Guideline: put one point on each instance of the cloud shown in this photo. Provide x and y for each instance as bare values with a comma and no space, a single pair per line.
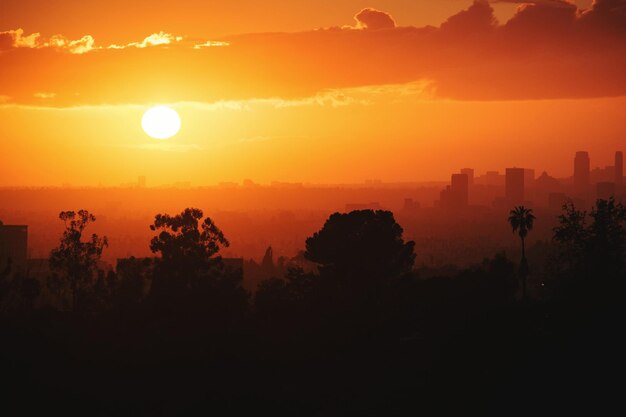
477,18
79,46
373,19
156,39
16,39
606,16
210,44
44,95
13,39
555,3
547,50
533,19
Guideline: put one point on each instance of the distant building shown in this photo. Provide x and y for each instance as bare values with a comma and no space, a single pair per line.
514,185
470,175
459,190
227,184
581,170
411,205
13,245
619,169
557,200
605,190
529,178
544,185
444,198
455,195
547,183
362,206
606,174
280,184
141,181
249,183
494,178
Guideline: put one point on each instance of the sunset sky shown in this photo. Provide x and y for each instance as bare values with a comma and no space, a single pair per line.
322,92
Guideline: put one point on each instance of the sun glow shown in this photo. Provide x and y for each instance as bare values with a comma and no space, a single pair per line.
160,122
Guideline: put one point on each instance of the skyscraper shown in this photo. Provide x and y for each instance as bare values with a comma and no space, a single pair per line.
529,178
459,190
581,170
470,175
619,169
514,185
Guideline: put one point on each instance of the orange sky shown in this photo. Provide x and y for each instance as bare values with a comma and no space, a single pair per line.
410,91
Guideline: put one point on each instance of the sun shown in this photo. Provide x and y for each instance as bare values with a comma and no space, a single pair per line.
160,122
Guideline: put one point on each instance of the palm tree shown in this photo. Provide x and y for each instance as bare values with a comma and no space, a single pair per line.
521,220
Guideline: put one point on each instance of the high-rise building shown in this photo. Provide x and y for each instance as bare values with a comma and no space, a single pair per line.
514,185
470,175
581,170
459,190
13,245
493,178
529,178
619,169
410,205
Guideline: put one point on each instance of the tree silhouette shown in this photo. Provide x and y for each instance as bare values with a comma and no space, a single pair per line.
74,259
521,220
187,249
571,230
594,248
607,235
363,248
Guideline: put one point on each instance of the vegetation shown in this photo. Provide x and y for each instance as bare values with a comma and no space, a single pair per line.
354,331
522,220
75,260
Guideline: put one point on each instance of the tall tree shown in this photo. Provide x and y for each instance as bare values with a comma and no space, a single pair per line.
76,260
522,220
187,247
597,247
361,247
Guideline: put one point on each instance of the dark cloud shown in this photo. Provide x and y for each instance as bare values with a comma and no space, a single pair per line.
374,20
556,3
606,16
478,18
533,19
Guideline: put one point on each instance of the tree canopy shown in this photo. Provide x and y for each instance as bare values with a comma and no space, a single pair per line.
76,260
361,244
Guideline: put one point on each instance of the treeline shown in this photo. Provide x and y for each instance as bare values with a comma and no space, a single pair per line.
360,333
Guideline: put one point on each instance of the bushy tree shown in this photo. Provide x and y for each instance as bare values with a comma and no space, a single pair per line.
592,246
360,253
74,260
189,273
187,246
361,243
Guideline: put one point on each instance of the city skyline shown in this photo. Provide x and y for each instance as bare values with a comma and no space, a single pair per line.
312,208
